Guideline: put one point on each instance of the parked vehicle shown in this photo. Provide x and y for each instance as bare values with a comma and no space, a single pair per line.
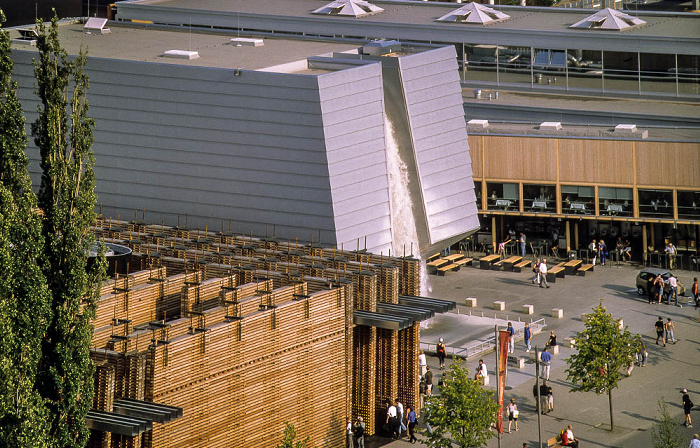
643,278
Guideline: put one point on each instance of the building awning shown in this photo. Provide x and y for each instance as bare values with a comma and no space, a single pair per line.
117,423
437,305
159,413
131,417
381,320
412,312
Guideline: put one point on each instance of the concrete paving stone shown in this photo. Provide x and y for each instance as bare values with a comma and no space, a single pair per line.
668,369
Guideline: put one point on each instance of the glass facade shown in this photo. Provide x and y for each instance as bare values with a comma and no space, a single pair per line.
615,201
540,198
577,68
503,196
656,203
578,200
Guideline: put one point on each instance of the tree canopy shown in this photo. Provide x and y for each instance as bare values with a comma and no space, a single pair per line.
23,291
603,353
462,413
290,433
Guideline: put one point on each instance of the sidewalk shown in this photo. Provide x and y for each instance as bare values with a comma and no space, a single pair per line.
635,406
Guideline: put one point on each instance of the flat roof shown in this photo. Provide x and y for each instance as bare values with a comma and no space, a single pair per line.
134,42
666,25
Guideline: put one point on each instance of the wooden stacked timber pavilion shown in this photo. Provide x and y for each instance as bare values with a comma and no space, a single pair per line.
240,334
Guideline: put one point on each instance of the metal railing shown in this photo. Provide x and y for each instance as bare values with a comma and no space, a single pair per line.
489,344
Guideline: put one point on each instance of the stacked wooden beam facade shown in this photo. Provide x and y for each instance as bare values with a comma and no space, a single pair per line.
246,333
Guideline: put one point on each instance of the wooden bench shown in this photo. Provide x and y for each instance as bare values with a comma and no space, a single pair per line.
509,262
557,271
518,267
497,265
433,257
450,267
485,262
464,262
436,264
585,268
571,266
453,257
554,441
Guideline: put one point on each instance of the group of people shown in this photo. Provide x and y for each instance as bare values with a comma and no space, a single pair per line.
656,289
539,269
665,331
398,423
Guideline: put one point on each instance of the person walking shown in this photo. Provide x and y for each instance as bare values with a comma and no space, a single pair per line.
392,423
528,336
543,273
641,352
670,328
429,381
673,289
593,248
411,420
536,272
550,398
513,414
687,406
659,325
350,443
659,288
402,426
441,351
360,432
422,362
546,359
422,392
695,290
511,338
522,240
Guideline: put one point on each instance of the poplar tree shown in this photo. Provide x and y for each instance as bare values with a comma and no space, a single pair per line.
63,134
24,296
604,351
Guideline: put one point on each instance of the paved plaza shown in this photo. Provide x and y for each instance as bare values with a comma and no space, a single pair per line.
668,369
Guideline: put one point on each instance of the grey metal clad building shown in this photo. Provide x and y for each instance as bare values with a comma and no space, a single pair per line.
271,138
645,52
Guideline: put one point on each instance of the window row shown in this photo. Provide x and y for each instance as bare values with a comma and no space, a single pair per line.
581,200
675,74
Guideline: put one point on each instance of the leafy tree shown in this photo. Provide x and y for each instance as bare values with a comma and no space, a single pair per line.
665,432
603,353
463,412
63,134
24,297
290,433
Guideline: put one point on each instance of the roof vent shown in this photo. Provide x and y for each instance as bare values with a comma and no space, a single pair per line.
349,8
550,126
247,42
28,36
381,47
631,130
474,13
609,19
478,123
96,25
181,54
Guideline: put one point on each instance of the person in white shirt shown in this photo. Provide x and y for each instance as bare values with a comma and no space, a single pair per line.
673,289
695,443
543,273
392,421
513,413
422,362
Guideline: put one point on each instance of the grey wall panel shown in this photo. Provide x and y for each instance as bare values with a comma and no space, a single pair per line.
176,140
440,143
358,183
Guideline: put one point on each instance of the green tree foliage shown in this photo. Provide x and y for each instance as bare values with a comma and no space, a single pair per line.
463,412
63,134
603,353
24,297
665,432
290,433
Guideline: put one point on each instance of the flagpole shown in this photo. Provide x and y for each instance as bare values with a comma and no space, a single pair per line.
498,385
539,401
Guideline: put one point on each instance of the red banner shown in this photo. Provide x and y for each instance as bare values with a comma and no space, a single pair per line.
502,366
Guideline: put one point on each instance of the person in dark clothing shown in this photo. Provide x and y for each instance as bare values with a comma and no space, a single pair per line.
660,330
544,392
441,351
411,419
651,288
429,381
687,406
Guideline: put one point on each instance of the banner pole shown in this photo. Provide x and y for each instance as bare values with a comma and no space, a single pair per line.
539,401
498,388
